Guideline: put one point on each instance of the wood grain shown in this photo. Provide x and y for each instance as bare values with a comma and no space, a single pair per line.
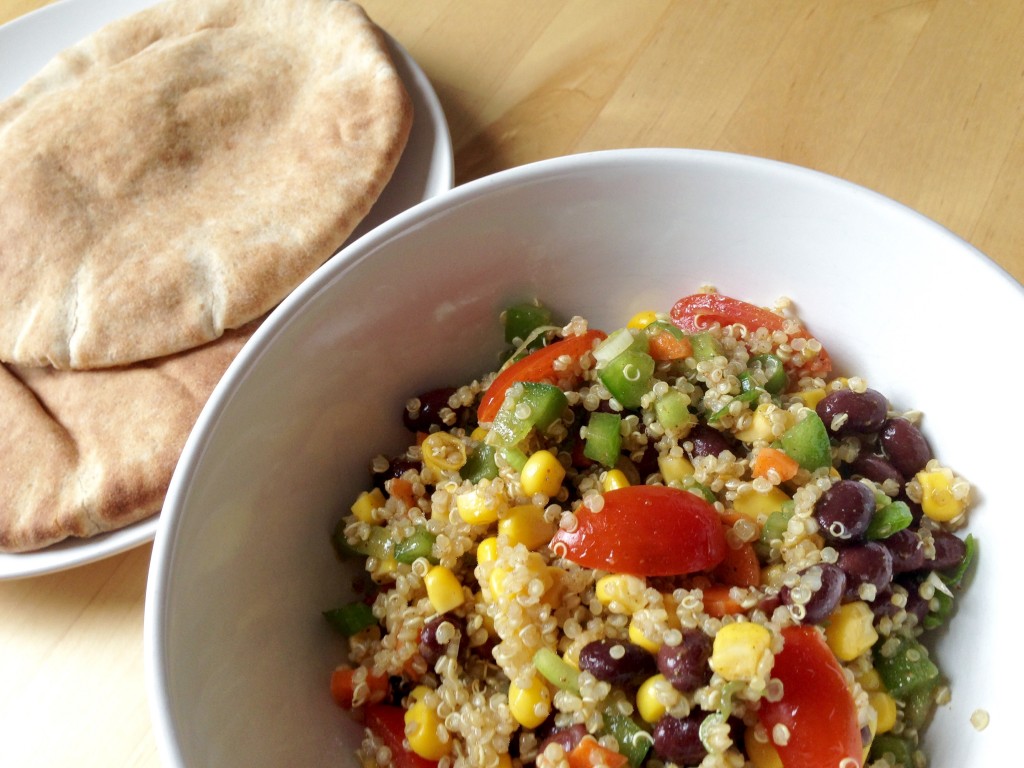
921,101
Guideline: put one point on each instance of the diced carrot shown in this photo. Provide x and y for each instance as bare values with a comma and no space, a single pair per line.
588,753
401,490
718,602
343,687
665,346
772,458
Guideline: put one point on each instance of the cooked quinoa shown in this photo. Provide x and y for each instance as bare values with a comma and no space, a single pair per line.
499,629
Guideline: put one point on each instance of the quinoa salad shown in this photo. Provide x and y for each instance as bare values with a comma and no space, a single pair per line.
683,542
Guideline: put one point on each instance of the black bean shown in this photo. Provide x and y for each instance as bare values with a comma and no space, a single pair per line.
568,738
916,605
707,441
844,511
432,647
854,412
875,468
825,599
883,604
905,446
428,413
616,661
685,665
949,551
868,563
396,468
906,549
677,739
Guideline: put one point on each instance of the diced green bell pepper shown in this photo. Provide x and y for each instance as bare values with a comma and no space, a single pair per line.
480,464
634,742
807,442
351,618
537,407
419,544
907,670
705,346
628,377
603,443
771,368
888,520
672,410
897,749
523,319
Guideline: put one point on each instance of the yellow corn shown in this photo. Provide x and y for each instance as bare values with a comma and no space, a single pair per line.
530,706
504,761
496,581
443,589
487,550
762,753
937,499
525,524
760,427
479,434
641,320
614,478
478,508
443,452
850,631
647,702
885,709
812,397
637,637
755,504
738,648
621,593
542,473
365,503
870,680
674,469
421,729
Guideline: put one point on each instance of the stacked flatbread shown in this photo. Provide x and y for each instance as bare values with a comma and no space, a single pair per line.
163,184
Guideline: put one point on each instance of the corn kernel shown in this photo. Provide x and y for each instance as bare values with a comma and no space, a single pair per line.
621,593
812,397
870,680
641,320
737,650
937,499
443,589
487,550
530,706
761,751
760,427
421,729
850,631
365,503
637,637
613,479
542,473
674,469
479,434
443,452
525,524
496,581
478,508
885,708
755,504
647,703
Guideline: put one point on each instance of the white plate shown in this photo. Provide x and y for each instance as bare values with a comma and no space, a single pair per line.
425,170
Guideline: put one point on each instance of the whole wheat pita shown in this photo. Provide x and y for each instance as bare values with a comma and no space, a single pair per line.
180,171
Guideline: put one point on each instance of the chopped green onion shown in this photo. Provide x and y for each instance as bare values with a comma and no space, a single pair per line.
749,396
603,443
618,342
770,367
351,618
556,670
673,411
378,544
954,578
514,457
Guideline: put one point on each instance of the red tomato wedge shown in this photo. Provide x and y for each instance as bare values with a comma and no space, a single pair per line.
816,706
537,366
699,311
388,723
645,530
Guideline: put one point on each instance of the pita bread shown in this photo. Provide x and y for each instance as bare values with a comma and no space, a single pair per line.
84,452
182,170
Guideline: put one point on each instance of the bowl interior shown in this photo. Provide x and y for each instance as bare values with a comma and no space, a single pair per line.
239,656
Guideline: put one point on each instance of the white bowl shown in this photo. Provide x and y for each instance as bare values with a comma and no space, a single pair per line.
238,655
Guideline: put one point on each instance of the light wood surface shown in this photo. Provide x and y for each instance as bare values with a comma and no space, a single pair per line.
921,101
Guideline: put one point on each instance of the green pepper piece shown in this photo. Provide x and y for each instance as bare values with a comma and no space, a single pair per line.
940,614
954,578
634,742
514,457
342,548
379,544
351,618
419,544
705,346
480,464
888,520
537,407
772,370
523,319
628,377
749,396
907,670
897,749
807,442
672,410
919,704
660,326
604,438
556,670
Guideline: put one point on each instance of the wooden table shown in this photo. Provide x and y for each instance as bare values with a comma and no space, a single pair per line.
919,101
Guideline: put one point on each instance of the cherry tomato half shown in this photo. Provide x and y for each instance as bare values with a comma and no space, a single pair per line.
388,722
645,530
816,706
537,366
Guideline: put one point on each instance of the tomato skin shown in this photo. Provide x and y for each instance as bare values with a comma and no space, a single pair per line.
816,706
698,311
646,530
388,722
537,366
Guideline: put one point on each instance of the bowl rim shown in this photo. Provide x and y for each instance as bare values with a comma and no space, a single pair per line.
160,575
